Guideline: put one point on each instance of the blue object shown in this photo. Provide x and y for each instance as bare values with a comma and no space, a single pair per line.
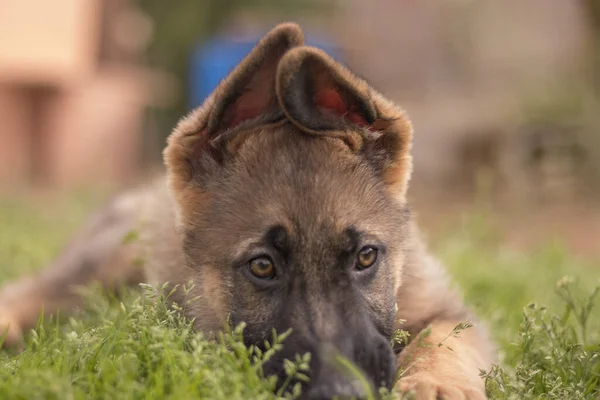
212,61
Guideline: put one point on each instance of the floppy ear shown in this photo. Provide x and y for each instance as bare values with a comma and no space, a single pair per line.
245,97
322,97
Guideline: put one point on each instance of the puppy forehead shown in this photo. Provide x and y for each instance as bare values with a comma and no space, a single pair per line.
303,183
313,168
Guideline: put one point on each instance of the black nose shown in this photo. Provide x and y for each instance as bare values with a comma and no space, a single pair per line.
373,359
351,366
339,388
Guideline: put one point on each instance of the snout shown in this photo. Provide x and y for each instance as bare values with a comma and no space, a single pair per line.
337,387
349,368
354,369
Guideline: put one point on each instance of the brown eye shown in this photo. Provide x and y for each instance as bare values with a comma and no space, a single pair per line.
262,268
366,257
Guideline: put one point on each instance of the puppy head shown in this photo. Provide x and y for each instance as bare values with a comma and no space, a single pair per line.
290,186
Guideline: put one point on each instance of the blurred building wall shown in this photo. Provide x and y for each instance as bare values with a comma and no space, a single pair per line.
70,102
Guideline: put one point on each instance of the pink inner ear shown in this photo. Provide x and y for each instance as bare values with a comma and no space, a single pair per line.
250,105
332,101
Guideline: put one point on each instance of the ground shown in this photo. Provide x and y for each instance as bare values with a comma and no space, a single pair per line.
130,348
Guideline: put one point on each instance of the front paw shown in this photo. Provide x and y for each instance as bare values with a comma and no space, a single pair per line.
11,333
426,386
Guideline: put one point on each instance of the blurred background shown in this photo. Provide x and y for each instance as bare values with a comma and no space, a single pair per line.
504,95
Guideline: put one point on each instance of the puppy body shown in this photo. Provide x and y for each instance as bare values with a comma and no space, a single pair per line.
294,162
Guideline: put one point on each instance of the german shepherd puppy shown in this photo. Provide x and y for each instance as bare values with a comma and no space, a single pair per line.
285,203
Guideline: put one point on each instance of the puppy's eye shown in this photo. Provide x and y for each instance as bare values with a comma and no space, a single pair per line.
262,268
366,257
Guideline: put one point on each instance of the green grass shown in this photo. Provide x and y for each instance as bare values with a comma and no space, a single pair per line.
134,348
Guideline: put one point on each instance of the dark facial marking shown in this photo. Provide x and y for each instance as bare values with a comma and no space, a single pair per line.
353,240
277,237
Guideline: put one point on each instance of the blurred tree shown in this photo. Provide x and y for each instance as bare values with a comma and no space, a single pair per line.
592,11
180,26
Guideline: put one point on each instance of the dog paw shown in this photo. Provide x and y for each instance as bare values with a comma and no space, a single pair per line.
426,386
11,333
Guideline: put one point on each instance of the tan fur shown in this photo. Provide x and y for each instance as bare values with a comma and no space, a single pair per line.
215,291
441,372
170,213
